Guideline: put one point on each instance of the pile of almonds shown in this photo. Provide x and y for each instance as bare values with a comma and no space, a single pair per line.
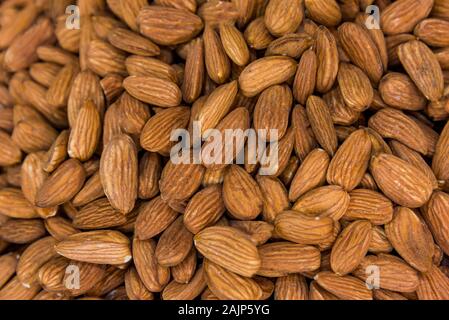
92,207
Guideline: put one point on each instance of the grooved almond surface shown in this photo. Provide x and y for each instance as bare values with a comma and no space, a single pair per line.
411,238
101,247
228,248
401,181
118,173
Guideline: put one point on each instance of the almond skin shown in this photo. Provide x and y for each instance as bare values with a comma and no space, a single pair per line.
189,291
180,181
229,248
91,190
327,201
165,121
302,229
282,17
217,106
218,64
291,287
435,214
275,197
292,45
304,137
321,123
394,124
327,54
272,110
242,205
282,258
153,90
60,228
118,173
85,133
215,154
101,247
264,73
355,87
184,271
98,214
324,12
230,286
153,276
399,91
11,154
336,186
14,204
258,232
411,238
311,174
234,44
440,161
430,79
33,258
413,157
395,274
361,49
403,15
146,66
433,32
350,162
257,35
22,231
194,72
149,174
350,247
22,51
204,209
8,262
305,79
174,244
155,21
369,205
392,173
433,285
344,287
135,289
153,218
63,184
133,43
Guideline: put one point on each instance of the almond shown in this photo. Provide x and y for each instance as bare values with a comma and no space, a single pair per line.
241,194
118,173
392,174
344,287
303,229
101,247
155,22
264,73
62,185
282,258
228,248
429,80
350,247
411,238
